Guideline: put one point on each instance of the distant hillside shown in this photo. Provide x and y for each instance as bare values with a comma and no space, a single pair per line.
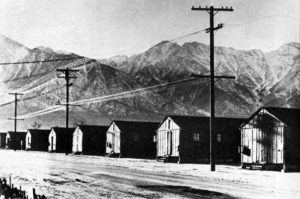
261,78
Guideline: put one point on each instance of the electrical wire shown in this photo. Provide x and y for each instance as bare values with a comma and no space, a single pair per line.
103,61
46,78
52,74
115,96
41,61
181,37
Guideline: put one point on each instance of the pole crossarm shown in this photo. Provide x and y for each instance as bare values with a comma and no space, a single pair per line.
16,93
41,61
215,76
67,69
14,119
216,28
63,77
214,9
69,104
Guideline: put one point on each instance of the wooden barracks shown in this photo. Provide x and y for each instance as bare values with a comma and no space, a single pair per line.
131,139
89,140
186,139
271,139
37,139
268,139
15,140
60,140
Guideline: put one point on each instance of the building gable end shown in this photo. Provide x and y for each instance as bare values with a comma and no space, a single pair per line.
168,124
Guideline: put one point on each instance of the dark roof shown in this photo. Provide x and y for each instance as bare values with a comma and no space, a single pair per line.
183,121
192,123
37,135
20,134
288,116
3,133
17,132
136,126
93,128
61,130
39,131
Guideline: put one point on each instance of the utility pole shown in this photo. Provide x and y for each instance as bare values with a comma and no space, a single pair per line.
67,77
16,108
212,11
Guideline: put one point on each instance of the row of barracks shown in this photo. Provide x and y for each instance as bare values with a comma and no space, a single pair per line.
268,138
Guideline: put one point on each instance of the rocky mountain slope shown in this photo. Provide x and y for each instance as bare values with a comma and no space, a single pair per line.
261,79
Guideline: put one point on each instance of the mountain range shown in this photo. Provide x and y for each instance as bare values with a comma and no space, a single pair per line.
261,78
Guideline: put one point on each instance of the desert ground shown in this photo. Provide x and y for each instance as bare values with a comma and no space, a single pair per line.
78,176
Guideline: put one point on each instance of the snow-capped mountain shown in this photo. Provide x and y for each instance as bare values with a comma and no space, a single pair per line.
261,79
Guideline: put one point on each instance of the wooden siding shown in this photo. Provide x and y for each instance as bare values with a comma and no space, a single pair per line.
113,139
28,140
7,140
263,135
52,141
77,141
168,139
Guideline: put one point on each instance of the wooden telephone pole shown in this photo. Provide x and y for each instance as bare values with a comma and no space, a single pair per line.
16,109
67,77
212,11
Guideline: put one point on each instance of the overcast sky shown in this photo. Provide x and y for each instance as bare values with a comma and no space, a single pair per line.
104,28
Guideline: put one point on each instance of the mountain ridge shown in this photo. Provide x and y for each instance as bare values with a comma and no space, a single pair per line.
258,82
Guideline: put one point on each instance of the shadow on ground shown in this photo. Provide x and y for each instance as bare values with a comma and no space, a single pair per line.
186,192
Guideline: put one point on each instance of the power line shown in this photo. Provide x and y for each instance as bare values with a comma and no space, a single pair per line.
126,94
29,87
46,79
181,37
92,61
41,61
131,93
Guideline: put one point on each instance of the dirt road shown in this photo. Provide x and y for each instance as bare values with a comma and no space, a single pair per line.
61,176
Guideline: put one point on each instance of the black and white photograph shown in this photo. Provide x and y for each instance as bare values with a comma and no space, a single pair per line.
147,99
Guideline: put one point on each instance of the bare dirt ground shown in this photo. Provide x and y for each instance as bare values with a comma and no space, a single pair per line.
61,176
